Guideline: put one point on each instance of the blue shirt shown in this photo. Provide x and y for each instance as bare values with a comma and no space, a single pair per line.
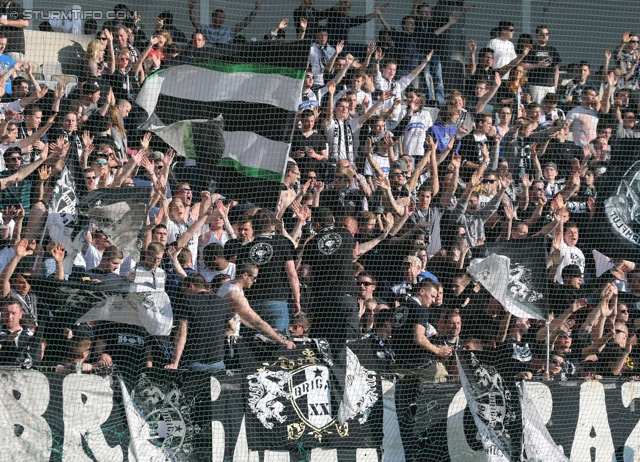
6,63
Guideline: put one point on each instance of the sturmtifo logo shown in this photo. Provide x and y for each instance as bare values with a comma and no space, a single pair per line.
329,243
261,253
167,413
623,209
298,393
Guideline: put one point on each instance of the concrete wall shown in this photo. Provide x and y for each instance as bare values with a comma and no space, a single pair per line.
580,30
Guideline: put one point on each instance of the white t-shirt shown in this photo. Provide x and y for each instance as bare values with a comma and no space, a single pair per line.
175,230
208,274
397,86
503,53
584,125
570,256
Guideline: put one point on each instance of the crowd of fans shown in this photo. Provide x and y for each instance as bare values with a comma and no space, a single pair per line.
395,182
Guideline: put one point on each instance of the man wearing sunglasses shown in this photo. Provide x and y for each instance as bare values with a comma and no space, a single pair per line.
542,64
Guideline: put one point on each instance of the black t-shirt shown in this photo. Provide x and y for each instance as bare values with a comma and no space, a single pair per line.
562,154
542,76
561,296
13,10
317,142
407,316
207,316
471,151
513,357
611,353
330,255
342,203
125,344
125,85
232,248
270,252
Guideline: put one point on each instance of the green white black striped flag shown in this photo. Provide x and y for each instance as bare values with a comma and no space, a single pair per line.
255,89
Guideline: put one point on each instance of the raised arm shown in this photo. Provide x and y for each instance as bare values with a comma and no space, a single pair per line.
373,109
515,61
445,200
246,21
422,163
192,16
470,68
23,249
25,171
453,19
195,227
482,102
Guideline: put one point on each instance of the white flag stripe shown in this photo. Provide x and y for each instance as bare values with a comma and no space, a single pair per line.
206,85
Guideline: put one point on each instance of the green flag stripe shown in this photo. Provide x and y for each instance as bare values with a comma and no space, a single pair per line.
251,171
252,68
189,148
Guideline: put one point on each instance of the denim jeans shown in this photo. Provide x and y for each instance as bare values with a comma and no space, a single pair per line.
434,68
273,312
213,367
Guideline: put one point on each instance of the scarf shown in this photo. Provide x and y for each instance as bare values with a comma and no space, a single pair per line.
342,134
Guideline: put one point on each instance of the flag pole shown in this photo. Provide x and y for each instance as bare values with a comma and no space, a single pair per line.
44,230
548,340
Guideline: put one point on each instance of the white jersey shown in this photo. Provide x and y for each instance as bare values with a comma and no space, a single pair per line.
503,53
397,86
415,133
570,256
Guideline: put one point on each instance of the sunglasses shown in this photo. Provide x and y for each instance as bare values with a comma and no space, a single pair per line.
396,174
312,178
556,362
623,311
489,181
565,335
633,41
185,190
253,278
365,283
511,29
89,178
101,162
104,39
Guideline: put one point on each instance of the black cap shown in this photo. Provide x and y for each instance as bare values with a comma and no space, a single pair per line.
91,86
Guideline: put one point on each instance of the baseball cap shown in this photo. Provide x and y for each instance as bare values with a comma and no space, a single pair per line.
91,86
551,165
399,165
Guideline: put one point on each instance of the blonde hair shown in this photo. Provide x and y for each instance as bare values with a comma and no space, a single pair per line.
115,120
125,52
93,50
